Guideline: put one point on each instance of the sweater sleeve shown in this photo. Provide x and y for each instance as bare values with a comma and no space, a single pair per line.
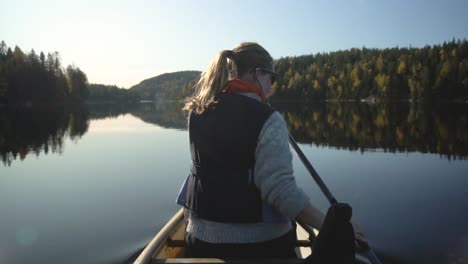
273,169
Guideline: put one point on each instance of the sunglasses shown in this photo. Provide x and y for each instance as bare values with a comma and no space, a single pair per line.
273,75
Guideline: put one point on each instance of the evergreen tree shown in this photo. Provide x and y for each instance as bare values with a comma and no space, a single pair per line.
29,78
77,84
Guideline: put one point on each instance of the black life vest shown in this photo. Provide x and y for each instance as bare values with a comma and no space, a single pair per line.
223,140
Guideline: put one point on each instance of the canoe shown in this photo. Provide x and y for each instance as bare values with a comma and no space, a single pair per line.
168,246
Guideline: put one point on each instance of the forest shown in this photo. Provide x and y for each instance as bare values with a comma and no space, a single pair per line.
438,72
30,78
430,73
101,93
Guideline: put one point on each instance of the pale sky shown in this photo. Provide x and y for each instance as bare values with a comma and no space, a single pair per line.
125,42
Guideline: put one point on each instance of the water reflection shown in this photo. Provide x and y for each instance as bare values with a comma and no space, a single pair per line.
26,130
401,127
163,114
440,129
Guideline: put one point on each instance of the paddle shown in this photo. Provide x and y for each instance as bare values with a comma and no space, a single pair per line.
368,251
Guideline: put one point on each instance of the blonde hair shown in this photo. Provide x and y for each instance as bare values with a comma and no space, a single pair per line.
225,66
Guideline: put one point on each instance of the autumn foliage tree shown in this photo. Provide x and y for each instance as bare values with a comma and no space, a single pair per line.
428,73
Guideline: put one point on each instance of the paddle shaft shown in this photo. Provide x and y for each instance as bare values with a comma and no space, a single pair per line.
312,171
370,254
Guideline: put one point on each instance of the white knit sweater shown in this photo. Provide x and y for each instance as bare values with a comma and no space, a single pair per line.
274,178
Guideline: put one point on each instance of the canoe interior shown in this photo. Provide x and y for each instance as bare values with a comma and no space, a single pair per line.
168,247
174,246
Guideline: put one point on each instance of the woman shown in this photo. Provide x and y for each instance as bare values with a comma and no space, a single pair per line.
241,196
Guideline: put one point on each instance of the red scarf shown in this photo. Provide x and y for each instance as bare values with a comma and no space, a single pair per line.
240,86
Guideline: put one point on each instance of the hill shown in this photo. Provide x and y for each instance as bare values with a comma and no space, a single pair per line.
165,86
430,73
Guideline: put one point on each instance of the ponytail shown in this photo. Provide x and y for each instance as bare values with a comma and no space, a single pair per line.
227,65
212,81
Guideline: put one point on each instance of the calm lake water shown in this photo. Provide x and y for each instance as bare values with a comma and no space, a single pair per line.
94,184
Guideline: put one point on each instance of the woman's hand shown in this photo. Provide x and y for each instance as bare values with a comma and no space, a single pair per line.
269,93
359,234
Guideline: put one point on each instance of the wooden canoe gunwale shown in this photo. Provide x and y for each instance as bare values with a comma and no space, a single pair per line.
160,239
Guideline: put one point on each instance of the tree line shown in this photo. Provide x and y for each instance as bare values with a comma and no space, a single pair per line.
438,72
428,73
100,93
29,78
